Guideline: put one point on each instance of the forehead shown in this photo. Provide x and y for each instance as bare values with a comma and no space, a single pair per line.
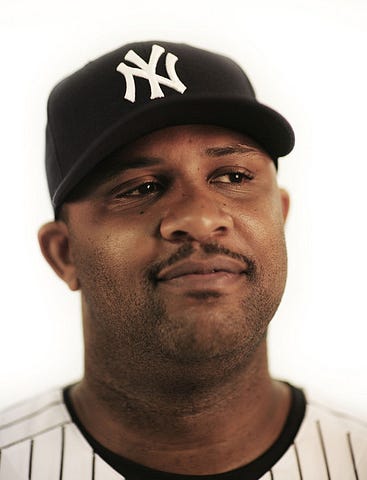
186,136
171,142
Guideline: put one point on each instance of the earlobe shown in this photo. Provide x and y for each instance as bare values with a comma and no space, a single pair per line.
285,201
54,241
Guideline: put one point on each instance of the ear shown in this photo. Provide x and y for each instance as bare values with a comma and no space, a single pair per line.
285,202
54,240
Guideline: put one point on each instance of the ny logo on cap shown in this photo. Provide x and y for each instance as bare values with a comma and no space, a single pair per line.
148,71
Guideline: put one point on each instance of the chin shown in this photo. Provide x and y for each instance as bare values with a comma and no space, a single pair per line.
208,335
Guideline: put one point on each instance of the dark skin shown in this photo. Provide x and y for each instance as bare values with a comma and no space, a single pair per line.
181,262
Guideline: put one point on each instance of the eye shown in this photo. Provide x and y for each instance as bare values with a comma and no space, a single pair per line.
144,189
233,177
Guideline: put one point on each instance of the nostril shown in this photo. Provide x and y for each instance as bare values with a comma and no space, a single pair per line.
179,234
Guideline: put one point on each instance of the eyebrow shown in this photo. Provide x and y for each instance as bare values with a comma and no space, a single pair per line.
118,165
230,150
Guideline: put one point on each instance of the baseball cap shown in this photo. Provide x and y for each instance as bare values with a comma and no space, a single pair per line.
142,87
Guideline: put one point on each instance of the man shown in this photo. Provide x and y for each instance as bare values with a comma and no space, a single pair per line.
168,218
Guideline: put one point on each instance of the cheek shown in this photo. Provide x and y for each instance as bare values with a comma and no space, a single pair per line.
261,230
108,255
261,222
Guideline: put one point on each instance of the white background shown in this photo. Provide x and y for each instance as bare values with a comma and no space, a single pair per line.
308,60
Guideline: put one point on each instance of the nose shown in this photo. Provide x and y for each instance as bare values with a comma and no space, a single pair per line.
195,217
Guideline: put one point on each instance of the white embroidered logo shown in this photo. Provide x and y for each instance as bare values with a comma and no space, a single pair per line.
148,71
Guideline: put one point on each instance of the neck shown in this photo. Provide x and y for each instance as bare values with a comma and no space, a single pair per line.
192,428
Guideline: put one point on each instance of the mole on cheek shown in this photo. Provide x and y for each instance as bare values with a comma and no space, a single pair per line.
141,213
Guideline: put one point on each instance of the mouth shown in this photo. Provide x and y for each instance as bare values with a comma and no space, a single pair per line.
216,273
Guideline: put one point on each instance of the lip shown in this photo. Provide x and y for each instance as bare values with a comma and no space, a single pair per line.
218,281
213,269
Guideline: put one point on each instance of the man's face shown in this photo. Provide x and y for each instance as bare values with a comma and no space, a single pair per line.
181,255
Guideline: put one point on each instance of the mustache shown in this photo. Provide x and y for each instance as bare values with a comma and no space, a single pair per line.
188,249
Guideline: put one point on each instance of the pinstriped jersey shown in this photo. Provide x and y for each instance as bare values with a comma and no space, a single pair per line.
40,441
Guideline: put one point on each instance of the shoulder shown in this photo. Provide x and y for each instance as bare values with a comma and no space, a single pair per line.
38,439
29,431
32,417
329,420
335,441
344,418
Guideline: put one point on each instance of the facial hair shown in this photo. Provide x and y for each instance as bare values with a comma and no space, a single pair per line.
128,325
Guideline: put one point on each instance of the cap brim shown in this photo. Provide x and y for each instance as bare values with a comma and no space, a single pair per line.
263,124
